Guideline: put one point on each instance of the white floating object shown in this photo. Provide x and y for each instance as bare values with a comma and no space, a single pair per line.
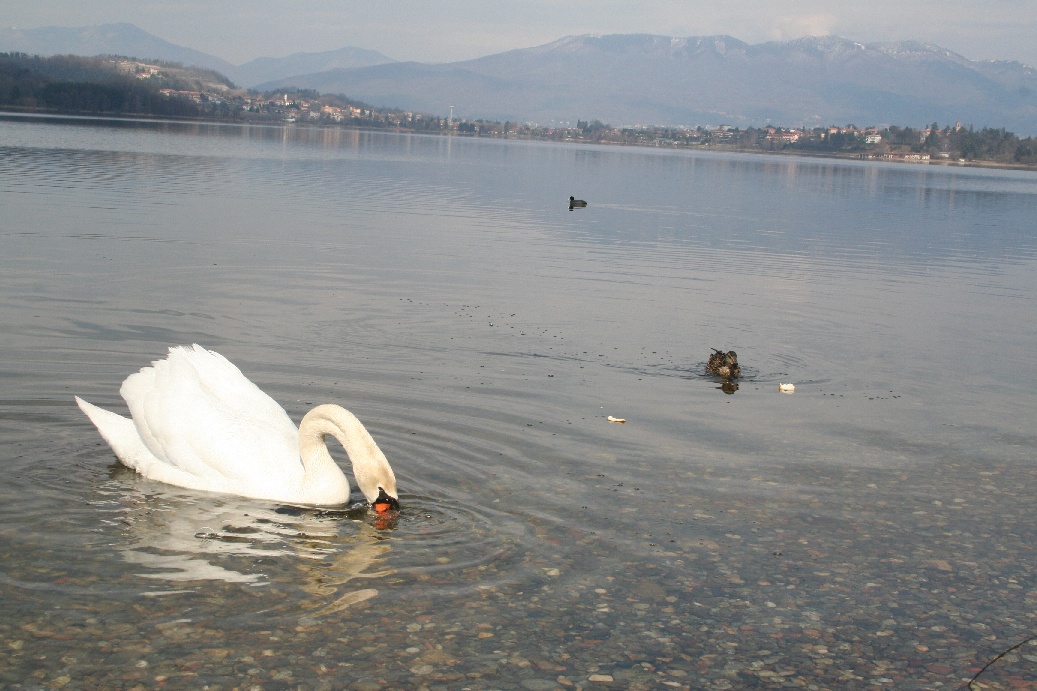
786,388
616,419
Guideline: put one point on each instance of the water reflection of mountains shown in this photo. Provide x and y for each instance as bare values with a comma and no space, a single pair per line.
701,206
812,213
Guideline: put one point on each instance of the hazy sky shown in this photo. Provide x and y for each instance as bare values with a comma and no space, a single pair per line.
447,30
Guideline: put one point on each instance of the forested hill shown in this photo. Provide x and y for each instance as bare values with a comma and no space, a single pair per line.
107,85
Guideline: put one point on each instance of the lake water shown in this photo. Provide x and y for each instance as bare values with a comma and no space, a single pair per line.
874,529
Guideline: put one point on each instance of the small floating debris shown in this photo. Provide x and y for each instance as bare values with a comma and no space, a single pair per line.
786,388
617,419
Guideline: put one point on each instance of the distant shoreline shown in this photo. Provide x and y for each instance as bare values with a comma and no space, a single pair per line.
800,153
11,112
937,162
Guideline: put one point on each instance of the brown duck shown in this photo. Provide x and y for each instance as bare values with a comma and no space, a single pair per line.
724,364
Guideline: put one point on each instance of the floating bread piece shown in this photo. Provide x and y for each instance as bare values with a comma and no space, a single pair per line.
786,388
616,419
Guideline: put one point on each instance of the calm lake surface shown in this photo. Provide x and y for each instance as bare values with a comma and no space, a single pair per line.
875,529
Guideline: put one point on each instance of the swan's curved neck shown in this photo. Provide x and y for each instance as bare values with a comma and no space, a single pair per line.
370,467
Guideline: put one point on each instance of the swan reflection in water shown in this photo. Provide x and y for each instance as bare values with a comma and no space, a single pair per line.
178,536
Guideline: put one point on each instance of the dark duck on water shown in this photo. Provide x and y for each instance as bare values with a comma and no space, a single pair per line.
724,364
575,203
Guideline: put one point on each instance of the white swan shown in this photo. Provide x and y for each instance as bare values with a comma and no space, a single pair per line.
198,422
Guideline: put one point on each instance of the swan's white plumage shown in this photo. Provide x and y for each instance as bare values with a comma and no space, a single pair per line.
198,422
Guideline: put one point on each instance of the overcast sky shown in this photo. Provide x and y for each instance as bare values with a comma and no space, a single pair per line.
447,30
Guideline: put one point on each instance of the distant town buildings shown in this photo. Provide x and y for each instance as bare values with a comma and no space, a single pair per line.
888,144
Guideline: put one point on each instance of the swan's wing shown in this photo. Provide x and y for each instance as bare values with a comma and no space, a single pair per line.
196,411
221,378
121,434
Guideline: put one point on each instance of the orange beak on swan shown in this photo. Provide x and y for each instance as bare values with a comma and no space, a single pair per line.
384,503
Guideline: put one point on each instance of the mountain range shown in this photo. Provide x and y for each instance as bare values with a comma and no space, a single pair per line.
131,41
632,79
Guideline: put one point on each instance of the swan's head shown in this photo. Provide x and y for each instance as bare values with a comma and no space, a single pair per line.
377,482
385,503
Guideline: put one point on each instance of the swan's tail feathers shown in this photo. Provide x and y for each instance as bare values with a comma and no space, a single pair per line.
102,419
121,434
